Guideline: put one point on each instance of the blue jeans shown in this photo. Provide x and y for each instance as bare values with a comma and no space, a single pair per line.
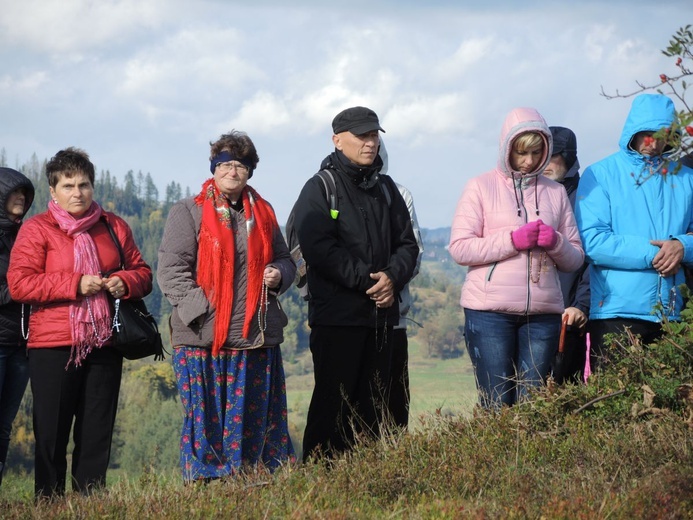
510,353
14,375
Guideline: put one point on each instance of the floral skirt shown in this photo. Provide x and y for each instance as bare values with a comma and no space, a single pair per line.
235,411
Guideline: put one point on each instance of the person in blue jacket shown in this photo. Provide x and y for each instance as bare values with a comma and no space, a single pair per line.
634,217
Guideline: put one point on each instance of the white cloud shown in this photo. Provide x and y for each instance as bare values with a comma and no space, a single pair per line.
263,113
187,62
432,116
77,25
469,53
24,85
145,84
596,42
321,105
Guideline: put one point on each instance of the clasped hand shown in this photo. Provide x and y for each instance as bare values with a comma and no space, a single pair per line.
668,259
272,277
534,234
91,284
576,317
383,292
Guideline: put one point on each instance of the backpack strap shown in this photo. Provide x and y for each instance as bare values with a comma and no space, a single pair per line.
327,178
328,182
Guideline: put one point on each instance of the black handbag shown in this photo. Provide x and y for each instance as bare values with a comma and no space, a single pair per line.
135,333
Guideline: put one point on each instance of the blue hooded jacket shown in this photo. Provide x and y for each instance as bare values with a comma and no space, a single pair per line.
618,216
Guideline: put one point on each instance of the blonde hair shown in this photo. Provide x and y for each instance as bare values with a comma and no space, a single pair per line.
528,141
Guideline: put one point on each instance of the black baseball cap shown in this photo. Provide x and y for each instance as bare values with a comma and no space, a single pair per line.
357,120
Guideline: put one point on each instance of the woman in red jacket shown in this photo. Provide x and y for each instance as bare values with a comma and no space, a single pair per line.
58,266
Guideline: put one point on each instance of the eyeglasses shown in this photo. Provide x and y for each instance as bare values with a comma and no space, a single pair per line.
228,166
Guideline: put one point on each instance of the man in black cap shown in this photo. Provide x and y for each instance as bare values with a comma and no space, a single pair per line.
564,168
359,256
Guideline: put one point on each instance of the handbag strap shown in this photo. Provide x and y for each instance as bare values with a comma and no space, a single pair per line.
116,312
115,241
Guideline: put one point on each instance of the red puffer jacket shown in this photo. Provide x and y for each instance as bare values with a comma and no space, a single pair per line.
41,273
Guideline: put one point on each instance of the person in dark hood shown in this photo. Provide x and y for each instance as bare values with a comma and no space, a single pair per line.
360,256
564,168
16,197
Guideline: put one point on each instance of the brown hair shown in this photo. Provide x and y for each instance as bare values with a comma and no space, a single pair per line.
237,143
68,163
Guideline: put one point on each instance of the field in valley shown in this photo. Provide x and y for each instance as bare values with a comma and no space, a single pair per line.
437,387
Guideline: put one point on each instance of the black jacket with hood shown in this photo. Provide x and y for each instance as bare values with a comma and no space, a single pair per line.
369,235
10,311
575,285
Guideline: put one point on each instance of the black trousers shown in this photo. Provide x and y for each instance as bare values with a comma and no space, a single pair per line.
87,395
648,331
399,379
351,366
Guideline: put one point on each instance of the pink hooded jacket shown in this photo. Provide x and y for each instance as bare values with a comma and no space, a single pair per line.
495,204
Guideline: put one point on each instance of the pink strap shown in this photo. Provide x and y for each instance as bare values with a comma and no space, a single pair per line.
587,371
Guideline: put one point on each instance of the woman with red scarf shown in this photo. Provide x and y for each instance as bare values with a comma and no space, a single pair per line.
58,266
222,263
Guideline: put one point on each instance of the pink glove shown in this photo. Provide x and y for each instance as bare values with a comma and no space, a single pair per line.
525,237
547,236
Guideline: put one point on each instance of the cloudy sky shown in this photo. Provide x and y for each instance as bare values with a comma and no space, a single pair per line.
144,85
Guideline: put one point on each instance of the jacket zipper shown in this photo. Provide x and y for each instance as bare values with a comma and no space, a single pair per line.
490,271
368,233
529,252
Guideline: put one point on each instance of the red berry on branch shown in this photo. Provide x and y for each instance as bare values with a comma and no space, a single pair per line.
663,77
689,130
664,171
678,62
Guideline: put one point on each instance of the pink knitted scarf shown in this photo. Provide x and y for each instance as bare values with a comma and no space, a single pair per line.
90,316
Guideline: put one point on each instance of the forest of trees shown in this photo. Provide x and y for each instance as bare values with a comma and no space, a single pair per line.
148,387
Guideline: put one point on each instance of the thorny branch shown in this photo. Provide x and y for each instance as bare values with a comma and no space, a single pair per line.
679,136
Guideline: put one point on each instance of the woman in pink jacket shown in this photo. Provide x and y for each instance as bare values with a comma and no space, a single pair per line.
514,229
67,267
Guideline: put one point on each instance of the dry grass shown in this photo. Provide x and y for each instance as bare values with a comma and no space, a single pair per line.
488,466
620,447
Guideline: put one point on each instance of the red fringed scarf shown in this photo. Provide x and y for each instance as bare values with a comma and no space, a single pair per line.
216,253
